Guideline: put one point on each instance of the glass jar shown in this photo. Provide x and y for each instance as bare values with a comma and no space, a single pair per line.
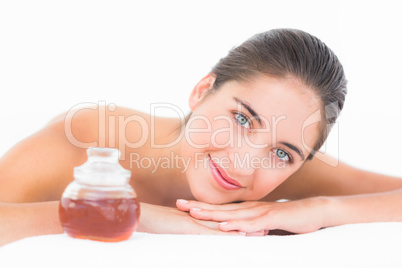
100,204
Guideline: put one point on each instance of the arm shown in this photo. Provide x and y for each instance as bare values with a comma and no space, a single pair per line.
353,195
321,196
166,220
376,207
33,175
18,221
300,216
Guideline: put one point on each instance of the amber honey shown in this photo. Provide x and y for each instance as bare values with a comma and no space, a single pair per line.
108,220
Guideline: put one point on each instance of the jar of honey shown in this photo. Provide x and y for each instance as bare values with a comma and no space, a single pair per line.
100,204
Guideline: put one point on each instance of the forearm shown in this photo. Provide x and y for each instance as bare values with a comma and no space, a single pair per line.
376,207
148,222
160,219
18,221
167,220
316,178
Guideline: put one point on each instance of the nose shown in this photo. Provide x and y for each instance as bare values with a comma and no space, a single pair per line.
245,160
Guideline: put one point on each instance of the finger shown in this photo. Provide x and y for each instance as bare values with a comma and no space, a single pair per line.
215,226
210,224
226,215
231,233
186,205
208,231
248,225
259,233
208,228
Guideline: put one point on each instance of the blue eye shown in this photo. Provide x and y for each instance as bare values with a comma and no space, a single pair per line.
282,154
243,120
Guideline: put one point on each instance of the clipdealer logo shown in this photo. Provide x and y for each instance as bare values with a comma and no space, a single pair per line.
114,133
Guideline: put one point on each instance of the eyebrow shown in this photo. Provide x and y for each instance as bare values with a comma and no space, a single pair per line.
294,148
250,110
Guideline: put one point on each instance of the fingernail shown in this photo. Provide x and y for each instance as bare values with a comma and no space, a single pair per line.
195,209
182,201
223,223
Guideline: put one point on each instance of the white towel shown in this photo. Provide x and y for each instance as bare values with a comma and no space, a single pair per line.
357,245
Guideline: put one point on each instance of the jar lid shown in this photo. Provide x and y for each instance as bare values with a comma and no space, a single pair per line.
102,168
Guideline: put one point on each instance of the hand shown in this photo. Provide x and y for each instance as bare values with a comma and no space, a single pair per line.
166,220
255,217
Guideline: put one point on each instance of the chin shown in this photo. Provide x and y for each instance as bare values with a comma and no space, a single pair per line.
208,194
214,200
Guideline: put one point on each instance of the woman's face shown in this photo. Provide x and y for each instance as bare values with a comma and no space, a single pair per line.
245,139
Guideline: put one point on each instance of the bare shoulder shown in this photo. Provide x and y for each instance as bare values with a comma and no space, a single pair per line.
129,130
313,178
39,167
96,115
319,178
99,125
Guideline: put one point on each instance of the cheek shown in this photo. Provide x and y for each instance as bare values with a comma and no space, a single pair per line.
196,174
197,133
268,181
206,132
222,133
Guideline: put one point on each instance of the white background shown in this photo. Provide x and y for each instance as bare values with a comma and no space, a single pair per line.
57,54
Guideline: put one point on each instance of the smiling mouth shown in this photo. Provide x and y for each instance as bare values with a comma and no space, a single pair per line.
222,178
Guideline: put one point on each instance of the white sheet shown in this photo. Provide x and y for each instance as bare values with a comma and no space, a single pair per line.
358,245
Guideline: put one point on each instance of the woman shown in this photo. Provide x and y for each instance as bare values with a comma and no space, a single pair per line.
257,121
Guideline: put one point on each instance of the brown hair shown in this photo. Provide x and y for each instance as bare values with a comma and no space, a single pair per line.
294,53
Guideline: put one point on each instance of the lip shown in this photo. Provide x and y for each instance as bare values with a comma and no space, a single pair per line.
222,178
